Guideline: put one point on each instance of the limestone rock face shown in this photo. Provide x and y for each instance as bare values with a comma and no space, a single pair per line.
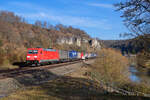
95,43
79,41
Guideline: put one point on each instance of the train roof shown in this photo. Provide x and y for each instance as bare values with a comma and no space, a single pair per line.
49,49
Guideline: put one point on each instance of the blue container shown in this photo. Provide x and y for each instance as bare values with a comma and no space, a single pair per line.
93,55
73,54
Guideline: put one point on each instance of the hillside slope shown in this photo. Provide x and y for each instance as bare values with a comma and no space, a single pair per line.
16,35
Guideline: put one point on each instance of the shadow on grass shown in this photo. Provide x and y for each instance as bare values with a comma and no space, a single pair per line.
20,64
148,72
69,88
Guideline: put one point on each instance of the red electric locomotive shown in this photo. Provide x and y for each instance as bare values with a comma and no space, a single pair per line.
41,55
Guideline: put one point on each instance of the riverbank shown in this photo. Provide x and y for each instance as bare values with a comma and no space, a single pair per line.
138,72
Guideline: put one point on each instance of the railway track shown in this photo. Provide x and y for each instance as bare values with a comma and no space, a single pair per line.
25,70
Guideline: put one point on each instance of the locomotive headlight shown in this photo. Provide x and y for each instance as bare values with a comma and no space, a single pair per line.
28,56
35,56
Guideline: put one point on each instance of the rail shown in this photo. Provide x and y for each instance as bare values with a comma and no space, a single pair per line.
16,72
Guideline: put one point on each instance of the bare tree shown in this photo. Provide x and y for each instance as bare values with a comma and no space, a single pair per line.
38,23
136,14
10,17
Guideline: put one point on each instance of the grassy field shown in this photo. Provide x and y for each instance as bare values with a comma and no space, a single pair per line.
62,89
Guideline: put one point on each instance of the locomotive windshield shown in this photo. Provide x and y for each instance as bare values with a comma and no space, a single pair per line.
32,51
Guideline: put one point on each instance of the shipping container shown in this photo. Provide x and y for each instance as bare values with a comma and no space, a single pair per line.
86,56
73,55
89,55
79,55
63,55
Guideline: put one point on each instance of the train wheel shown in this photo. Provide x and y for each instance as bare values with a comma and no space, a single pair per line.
37,64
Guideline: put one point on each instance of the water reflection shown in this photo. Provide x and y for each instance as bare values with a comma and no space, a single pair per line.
133,69
133,75
134,78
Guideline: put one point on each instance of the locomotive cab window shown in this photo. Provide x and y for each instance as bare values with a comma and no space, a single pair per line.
32,51
35,51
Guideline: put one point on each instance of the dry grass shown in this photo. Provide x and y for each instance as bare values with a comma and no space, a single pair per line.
6,65
140,87
80,73
34,93
64,88
67,88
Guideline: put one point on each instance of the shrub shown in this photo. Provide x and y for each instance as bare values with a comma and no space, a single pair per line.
2,57
17,55
137,87
112,66
143,59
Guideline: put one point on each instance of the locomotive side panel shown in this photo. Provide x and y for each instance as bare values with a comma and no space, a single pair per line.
50,55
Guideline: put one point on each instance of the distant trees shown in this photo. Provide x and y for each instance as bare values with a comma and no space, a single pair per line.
42,24
10,17
38,23
67,30
130,46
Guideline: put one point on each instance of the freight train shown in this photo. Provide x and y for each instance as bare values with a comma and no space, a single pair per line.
40,56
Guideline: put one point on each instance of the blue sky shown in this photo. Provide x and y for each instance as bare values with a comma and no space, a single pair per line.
97,17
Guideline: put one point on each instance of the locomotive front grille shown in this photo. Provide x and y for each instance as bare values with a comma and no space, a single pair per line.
31,61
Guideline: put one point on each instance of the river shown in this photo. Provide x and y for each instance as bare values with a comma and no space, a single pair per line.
139,75
133,76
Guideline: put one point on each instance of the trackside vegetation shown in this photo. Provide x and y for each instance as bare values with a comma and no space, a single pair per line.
112,66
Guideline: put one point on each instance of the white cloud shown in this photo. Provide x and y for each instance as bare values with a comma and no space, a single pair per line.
102,5
26,5
41,13
70,20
